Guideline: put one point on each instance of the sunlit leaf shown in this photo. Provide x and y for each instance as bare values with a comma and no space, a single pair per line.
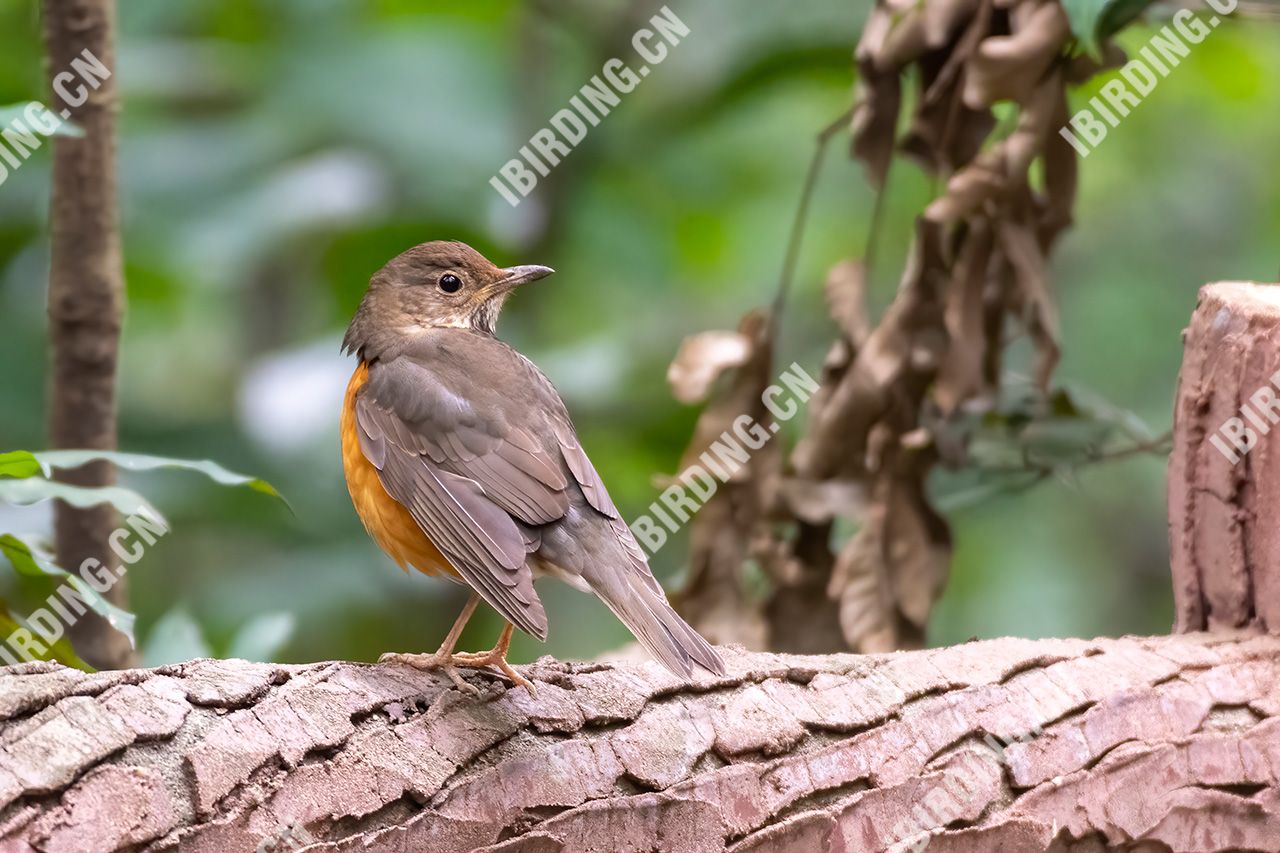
29,559
34,490
18,112
18,464
60,651
50,459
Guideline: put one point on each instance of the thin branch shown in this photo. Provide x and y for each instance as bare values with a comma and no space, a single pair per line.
1016,479
802,216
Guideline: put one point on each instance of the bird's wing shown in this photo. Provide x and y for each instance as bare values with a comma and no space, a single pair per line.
593,489
583,471
467,474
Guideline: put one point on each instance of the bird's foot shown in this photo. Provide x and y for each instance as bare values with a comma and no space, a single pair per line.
434,663
497,658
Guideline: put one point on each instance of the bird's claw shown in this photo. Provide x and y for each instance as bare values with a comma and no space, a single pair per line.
433,663
449,664
493,658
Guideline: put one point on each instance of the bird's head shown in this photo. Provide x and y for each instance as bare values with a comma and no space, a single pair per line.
433,285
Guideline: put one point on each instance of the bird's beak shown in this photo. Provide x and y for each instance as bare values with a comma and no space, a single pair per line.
522,274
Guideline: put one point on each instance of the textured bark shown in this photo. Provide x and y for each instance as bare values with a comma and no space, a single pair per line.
86,297
1222,514
1132,744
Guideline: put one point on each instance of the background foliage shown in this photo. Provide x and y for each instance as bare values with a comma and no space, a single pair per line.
273,155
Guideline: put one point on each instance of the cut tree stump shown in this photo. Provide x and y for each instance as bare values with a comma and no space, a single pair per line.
1014,745
1224,500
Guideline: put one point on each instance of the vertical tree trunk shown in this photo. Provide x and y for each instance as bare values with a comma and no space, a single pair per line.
1224,473
86,295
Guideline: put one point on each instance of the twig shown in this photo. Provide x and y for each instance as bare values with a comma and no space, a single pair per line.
1159,446
1023,478
801,216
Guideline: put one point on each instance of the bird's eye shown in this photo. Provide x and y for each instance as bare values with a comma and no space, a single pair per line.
450,283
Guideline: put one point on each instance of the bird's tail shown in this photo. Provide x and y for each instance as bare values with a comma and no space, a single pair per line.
636,598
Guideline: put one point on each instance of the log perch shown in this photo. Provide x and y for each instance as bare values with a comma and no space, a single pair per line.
1224,472
1013,745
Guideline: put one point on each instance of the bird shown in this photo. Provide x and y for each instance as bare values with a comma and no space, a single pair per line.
462,462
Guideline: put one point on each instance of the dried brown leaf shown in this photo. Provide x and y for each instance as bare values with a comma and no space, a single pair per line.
874,34
961,375
1010,67
917,549
967,190
1019,243
893,367
903,44
1002,170
874,126
821,501
888,575
1034,121
846,293
1061,177
860,587
701,359
945,134
942,18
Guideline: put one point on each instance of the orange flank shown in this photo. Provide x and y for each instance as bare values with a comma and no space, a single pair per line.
389,523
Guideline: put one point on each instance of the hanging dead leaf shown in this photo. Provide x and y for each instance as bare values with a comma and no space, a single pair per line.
874,33
1010,67
1039,314
846,292
903,44
979,182
874,125
961,375
726,531
860,586
1061,176
700,361
917,545
943,18
821,501
945,134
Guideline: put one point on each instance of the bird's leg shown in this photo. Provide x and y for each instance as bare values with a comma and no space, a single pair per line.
497,656
443,659
451,639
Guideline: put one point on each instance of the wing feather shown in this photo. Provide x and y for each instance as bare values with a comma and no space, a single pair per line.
585,473
475,486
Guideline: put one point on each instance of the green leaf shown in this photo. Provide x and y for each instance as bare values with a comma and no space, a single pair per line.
49,459
18,112
1120,14
29,559
1095,21
261,638
984,490
19,464
34,490
175,638
1084,15
61,651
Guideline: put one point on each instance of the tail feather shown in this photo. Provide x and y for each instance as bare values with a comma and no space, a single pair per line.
653,621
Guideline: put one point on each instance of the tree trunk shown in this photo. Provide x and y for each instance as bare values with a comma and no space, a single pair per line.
86,297
1224,473
1012,745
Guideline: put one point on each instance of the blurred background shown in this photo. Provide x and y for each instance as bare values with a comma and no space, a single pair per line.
273,155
